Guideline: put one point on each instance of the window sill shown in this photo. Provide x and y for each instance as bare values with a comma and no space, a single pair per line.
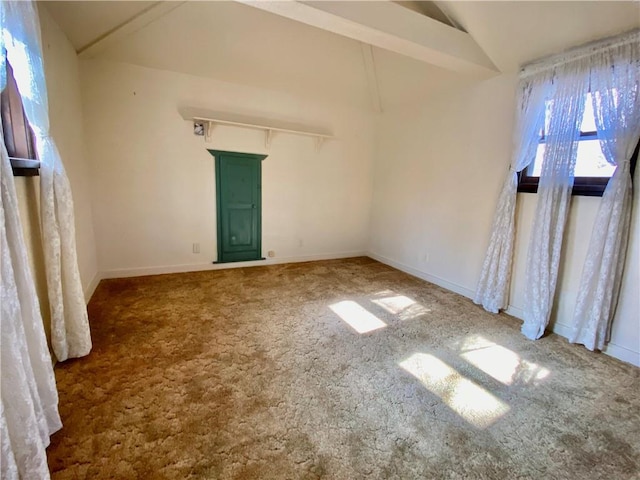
578,190
24,167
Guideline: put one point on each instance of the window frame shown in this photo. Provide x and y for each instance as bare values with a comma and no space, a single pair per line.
18,135
582,186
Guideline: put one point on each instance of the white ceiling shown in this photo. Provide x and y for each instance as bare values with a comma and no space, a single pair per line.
240,44
84,22
237,43
513,33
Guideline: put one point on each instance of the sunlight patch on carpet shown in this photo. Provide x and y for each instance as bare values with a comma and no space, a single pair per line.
394,304
503,364
401,306
357,317
467,399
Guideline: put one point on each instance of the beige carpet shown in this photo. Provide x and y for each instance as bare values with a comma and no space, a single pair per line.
256,373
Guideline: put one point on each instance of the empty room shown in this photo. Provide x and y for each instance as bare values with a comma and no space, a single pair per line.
320,240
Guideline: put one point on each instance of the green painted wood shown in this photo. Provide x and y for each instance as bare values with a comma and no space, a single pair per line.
239,205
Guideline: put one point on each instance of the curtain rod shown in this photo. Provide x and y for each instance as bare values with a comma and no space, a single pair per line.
582,51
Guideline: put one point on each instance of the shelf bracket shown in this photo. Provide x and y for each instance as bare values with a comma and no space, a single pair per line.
210,119
268,134
208,132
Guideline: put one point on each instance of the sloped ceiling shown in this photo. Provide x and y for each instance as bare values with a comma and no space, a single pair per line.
84,22
514,33
236,43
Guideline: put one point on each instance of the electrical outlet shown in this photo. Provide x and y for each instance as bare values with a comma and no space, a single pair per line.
196,248
271,254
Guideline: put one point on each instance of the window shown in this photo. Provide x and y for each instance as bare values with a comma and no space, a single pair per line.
18,136
592,171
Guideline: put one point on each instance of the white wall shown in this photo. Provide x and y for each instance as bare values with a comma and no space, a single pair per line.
154,182
438,171
65,115
67,128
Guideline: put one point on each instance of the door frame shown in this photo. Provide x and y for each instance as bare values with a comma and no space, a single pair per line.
217,155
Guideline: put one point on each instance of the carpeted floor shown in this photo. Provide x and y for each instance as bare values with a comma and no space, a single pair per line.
256,373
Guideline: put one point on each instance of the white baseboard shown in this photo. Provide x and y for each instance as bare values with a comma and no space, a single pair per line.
611,349
561,329
200,267
441,282
93,284
622,353
515,312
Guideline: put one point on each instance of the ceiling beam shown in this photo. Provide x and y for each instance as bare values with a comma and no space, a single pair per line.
392,27
130,26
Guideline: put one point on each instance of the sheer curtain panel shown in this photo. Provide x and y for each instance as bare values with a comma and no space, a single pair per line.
565,110
29,399
615,90
70,335
493,288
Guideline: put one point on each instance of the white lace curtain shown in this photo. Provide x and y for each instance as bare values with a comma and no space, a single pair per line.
493,289
616,103
70,336
29,407
610,69
565,110
29,399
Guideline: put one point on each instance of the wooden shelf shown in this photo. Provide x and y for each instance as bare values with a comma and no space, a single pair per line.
210,119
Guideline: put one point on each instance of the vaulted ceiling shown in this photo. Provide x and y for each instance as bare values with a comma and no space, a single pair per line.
300,53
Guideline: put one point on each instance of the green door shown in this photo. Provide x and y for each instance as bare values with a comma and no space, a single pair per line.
239,205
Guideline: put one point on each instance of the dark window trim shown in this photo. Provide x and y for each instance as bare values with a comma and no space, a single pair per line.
583,136
25,167
18,136
584,186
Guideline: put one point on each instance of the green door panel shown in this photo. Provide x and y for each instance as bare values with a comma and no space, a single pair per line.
239,205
